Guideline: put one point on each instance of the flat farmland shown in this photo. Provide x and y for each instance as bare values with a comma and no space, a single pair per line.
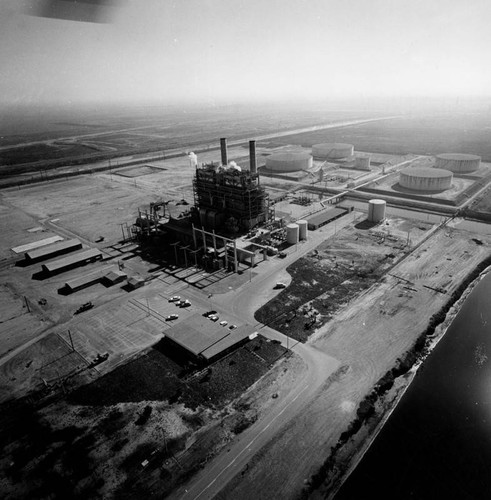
429,136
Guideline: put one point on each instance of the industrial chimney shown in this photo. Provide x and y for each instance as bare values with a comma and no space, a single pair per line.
223,147
252,157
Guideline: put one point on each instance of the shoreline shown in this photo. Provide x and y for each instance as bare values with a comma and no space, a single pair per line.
356,450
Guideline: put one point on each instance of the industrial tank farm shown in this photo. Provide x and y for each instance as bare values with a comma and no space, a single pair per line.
332,151
289,162
458,163
425,179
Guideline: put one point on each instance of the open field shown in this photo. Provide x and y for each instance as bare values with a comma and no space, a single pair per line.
427,136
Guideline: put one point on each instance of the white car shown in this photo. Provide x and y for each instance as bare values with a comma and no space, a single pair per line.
232,327
171,317
223,323
213,317
175,298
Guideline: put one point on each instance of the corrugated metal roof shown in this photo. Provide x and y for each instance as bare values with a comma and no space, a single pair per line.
234,337
71,260
37,244
323,217
196,333
45,252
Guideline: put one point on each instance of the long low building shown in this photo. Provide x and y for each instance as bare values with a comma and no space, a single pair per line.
72,261
36,244
322,218
50,251
207,340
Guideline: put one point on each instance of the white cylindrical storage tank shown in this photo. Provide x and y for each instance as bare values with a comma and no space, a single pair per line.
376,210
362,162
292,231
458,163
332,150
302,229
425,179
289,162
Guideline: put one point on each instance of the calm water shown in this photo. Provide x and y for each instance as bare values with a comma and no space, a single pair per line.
437,442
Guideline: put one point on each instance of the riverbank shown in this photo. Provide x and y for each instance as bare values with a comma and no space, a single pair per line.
345,458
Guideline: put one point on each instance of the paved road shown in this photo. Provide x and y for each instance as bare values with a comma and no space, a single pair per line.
242,303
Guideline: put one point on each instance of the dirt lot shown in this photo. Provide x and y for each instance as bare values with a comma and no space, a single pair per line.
335,272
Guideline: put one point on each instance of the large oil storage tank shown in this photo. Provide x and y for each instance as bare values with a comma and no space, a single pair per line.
302,229
292,231
332,150
458,163
425,179
376,210
362,162
289,161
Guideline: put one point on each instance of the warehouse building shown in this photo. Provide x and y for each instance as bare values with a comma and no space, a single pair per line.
204,340
322,218
53,250
72,261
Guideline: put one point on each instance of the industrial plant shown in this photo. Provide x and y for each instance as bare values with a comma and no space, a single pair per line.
203,269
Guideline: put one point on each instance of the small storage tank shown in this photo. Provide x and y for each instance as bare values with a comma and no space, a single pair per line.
292,231
376,210
302,229
362,162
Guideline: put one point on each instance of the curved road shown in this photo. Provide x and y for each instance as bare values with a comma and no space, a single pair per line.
319,366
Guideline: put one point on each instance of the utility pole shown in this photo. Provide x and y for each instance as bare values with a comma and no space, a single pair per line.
27,304
71,340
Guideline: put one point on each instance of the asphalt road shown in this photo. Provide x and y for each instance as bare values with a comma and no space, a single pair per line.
242,303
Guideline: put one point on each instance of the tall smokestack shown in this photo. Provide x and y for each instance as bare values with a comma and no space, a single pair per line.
223,147
252,157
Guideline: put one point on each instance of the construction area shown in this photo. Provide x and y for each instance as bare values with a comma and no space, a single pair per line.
154,312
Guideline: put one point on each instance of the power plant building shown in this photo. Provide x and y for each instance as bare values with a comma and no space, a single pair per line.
332,151
425,179
458,163
225,192
289,162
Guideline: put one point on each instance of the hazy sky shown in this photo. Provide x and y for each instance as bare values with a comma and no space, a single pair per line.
226,50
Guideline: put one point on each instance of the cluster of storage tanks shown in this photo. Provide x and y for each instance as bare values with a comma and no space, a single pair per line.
296,231
440,177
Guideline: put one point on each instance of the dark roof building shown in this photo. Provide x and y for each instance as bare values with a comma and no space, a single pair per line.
66,263
322,218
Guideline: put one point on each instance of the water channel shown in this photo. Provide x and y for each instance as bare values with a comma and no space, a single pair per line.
437,442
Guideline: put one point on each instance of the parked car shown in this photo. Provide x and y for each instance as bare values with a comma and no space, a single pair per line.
171,317
282,255
84,307
280,285
213,317
223,323
207,314
175,298
184,303
232,327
